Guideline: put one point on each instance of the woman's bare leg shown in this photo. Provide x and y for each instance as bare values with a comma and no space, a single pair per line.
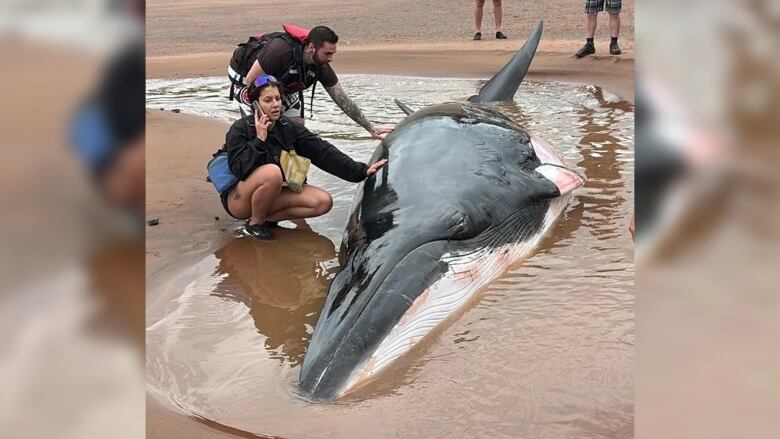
253,197
310,202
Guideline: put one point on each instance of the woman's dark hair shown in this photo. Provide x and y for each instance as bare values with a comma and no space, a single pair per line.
319,35
254,91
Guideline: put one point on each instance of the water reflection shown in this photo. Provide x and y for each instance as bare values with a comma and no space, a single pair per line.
513,110
600,149
569,223
283,284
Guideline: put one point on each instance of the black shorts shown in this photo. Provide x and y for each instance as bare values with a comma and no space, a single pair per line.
224,198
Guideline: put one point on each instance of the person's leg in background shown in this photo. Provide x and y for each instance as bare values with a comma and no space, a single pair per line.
591,26
592,7
614,7
478,6
497,15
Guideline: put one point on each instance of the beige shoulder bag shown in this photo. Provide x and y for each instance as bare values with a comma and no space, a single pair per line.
295,169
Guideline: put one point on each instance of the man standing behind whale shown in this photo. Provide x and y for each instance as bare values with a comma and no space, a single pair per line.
277,58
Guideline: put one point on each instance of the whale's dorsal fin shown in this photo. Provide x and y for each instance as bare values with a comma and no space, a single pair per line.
503,85
404,107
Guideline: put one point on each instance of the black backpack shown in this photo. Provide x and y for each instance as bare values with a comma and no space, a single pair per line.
245,55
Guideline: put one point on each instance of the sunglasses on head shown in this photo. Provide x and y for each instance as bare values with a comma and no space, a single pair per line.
263,80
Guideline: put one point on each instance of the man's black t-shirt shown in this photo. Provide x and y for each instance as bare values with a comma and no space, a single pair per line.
276,56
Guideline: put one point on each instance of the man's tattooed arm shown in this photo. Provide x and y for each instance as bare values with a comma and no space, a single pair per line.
349,107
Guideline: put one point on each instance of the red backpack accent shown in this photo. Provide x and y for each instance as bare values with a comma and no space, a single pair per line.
296,32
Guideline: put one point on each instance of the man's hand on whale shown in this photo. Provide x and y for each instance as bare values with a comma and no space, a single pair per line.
380,133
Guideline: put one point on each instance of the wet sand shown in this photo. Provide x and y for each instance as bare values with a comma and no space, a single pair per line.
177,148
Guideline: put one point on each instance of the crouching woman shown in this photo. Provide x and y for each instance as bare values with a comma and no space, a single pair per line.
254,145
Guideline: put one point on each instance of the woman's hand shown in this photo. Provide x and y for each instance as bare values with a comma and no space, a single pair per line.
262,124
375,167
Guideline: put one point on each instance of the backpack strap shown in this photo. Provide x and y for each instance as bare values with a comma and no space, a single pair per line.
311,101
297,47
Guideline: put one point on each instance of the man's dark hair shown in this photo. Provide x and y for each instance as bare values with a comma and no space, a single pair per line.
320,35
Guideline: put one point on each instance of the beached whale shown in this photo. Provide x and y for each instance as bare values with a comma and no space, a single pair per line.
465,194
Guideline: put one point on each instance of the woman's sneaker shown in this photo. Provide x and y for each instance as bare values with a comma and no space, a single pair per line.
614,49
500,36
258,231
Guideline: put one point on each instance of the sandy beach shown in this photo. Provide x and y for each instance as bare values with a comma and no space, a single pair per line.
195,26
194,38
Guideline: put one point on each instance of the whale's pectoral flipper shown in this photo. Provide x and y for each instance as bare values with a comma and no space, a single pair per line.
564,179
404,107
503,85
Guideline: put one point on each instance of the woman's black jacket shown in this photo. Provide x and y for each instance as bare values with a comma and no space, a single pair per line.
246,152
